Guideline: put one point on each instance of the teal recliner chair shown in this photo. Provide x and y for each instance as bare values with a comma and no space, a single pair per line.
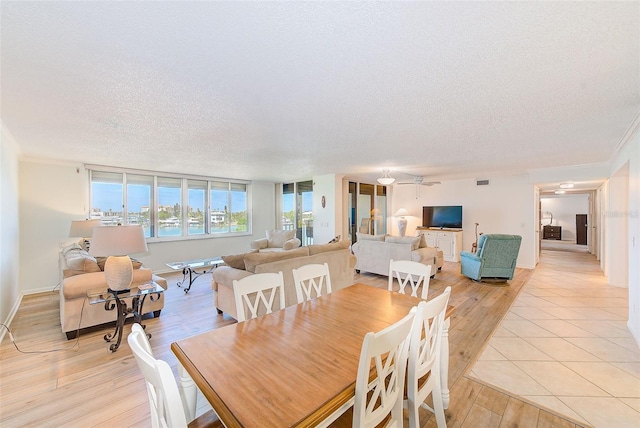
495,259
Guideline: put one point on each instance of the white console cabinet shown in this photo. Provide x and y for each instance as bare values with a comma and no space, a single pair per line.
447,241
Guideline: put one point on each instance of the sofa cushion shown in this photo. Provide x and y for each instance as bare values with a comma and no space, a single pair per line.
323,248
367,237
414,241
236,261
277,238
102,260
78,286
252,260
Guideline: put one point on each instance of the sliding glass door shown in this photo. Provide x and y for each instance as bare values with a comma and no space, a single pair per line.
297,209
367,209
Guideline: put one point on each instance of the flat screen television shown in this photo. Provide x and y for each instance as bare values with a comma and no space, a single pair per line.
444,217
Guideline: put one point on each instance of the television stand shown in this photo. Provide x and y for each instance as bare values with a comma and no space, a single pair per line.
449,241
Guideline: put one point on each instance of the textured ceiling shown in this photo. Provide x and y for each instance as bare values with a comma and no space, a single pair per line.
286,90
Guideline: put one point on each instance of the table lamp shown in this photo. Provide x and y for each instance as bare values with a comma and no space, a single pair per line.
402,222
116,243
83,229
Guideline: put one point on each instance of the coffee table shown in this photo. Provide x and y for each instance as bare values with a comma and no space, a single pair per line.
126,303
189,266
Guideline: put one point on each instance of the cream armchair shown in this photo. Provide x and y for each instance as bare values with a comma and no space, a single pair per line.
277,240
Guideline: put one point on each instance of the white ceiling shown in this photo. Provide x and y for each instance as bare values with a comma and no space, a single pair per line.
287,90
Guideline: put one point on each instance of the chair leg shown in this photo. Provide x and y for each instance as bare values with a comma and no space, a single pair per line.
438,406
414,418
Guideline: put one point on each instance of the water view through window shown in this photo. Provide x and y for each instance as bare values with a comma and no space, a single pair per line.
225,202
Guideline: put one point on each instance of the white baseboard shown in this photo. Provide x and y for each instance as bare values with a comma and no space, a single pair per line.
10,317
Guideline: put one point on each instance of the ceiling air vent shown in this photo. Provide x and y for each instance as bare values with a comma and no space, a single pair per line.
483,182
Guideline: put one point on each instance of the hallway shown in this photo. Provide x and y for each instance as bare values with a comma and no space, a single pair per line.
564,345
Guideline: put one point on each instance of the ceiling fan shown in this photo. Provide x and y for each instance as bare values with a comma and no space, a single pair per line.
419,181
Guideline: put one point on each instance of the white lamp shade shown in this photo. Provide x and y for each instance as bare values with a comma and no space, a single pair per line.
83,228
118,241
401,213
385,181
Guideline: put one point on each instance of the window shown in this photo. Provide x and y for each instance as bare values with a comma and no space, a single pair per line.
109,201
169,206
197,193
140,202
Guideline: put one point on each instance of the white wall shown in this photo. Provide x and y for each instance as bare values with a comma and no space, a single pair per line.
564,209
628,160
9,224
507,205
51,195
327,220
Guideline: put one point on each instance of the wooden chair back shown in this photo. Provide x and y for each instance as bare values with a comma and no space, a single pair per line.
381,375
258,291
164,397
413,274
310,281
423,373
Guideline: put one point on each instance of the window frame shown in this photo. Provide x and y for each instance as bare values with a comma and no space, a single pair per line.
184,201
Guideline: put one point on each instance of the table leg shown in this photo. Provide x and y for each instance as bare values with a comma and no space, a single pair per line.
185,271
121,316
444,363
193,275
188,393
123,312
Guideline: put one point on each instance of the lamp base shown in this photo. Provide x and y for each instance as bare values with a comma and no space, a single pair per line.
118,292
402,226
118,273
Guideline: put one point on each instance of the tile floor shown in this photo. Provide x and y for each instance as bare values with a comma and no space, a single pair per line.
565,345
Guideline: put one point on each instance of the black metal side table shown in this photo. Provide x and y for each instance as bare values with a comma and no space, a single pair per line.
188,268
128,303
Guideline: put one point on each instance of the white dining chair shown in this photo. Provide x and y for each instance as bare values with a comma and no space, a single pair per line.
380,380
423,372
310,281
165,402
258,291
382,395
412,274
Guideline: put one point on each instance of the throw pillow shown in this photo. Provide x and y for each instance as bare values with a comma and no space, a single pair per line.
79,260
254,259
366,237
414,241
323,248
423,241
236,261
72,247
277,238
291,244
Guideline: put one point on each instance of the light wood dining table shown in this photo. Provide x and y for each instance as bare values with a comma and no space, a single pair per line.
294,367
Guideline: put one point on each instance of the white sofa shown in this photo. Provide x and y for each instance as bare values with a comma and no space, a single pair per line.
375,252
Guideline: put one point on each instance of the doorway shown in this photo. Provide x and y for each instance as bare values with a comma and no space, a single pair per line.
581,229
563,224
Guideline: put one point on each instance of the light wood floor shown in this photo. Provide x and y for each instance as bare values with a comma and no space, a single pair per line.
88,386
